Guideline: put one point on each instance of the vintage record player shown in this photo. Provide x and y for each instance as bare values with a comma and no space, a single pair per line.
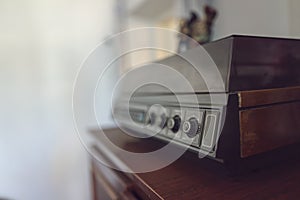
261,78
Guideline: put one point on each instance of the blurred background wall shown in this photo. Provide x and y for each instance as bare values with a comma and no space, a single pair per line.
43,42
252,17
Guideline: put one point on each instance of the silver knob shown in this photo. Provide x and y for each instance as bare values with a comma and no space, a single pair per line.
174,123
191,127
170,123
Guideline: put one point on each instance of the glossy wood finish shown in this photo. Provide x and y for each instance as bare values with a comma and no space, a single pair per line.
269,96
192,178
243,63
109,183
255,63
264,63
266,128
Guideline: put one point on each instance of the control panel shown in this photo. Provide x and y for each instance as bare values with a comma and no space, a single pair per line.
197,127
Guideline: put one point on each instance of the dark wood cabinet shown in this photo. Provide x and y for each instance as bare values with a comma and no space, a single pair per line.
187,178
111,184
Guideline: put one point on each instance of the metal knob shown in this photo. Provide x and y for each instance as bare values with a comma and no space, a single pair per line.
174,123
191,127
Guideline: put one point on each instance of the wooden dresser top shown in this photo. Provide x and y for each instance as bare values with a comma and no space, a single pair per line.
192,178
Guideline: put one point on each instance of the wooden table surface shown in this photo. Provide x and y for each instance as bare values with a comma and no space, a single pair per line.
192,178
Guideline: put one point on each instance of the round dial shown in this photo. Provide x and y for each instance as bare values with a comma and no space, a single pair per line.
191,127
156,116
174,123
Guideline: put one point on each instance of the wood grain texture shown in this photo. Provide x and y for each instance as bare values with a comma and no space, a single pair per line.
192,178
268,96
266,128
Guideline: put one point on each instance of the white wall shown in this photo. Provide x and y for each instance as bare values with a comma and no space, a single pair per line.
256,17
42,43
294,14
